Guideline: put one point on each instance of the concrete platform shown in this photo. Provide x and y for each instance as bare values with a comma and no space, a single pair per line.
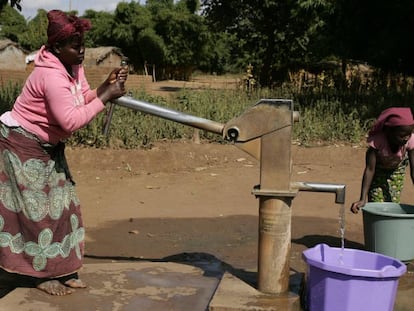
235,295
155,286
143,286
166,286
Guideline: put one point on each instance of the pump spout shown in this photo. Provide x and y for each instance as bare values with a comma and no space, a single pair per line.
338,189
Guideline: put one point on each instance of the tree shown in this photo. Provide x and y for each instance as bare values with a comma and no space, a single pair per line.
162,33
377,32
184,33
191,6
101,33
274,36
12,23
216,56
155,5
13,3
171,25
134,33
36,34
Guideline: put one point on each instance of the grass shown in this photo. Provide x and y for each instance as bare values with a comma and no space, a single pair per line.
326,114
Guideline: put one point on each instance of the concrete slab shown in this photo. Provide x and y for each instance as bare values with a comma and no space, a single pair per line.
234,294
405,294
125,287
167,286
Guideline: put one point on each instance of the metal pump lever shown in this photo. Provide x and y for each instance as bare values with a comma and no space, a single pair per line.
108,119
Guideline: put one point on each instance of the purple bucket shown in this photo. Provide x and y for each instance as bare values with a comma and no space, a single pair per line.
350,280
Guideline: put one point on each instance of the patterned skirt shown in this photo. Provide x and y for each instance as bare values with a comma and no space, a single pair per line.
387,184
41,230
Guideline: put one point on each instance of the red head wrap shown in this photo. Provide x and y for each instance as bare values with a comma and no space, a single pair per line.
62,26
395,116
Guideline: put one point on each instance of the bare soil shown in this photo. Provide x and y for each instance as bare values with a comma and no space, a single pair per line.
182,201
185,201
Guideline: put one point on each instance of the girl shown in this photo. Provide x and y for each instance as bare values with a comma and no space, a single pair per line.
390,150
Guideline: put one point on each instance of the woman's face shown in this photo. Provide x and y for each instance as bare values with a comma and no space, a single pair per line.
71,51
399,135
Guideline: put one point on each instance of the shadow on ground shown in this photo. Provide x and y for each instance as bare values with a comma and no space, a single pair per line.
215,245
312,240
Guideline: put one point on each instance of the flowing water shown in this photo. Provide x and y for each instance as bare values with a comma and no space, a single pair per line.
342,231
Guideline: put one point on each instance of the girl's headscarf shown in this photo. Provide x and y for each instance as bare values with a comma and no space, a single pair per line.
395,116
62,26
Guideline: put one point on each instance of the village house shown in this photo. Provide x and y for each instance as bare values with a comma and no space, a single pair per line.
98,63
102,57
12,57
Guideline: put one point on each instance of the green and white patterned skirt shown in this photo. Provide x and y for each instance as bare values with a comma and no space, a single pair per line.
387,184
41,230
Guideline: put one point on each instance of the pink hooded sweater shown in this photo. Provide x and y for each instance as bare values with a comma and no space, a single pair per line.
53,104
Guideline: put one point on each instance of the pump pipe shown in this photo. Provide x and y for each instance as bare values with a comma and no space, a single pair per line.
170,114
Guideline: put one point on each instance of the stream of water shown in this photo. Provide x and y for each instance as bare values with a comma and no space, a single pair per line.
342,232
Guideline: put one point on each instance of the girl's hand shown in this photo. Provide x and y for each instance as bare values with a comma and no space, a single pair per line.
356,206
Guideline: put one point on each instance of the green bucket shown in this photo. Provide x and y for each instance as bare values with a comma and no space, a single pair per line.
389,229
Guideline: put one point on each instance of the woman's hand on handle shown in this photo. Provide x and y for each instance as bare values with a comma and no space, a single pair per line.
118,74
114,86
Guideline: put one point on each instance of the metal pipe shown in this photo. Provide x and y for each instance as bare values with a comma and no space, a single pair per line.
338,189
275,218
273,139
170,114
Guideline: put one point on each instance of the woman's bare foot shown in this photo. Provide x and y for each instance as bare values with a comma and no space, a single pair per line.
54,287
75,283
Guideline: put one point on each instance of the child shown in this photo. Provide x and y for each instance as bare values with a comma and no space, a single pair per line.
390,149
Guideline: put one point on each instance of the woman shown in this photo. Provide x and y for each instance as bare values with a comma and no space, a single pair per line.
41,230
390,151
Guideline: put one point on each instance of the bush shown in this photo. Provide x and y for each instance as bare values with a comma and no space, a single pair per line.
8,94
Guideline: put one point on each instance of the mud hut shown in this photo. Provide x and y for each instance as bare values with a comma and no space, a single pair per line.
12,57
106,57
102,57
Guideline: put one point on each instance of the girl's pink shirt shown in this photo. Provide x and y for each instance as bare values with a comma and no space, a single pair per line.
53,104
385,157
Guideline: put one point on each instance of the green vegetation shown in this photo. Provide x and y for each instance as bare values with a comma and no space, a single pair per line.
342,62
8,94
224,36
326,116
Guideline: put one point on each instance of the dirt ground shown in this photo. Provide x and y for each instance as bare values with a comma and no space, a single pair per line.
182,201
192,202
